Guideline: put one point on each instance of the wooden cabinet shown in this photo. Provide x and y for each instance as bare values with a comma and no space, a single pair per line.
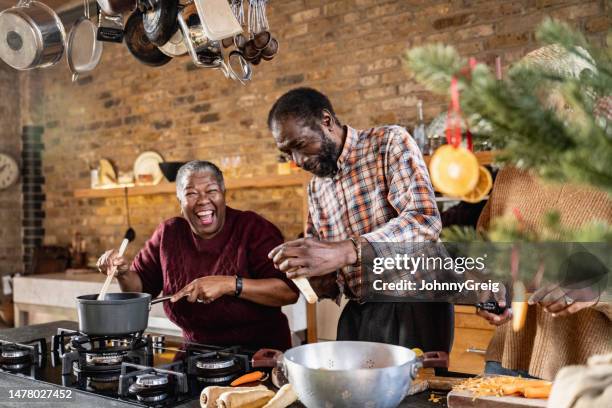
472,336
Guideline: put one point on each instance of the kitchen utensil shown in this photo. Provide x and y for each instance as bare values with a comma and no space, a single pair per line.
257,20
209,54
148,163
83,50
160,21
261,40
218,21
271,50
110,28
139,45
349,373
129,236
116,7
169,169
31,36
239,41
118,314
175,47
238,10
239,66
250,50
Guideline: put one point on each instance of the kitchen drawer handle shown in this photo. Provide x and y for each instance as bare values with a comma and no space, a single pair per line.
476,350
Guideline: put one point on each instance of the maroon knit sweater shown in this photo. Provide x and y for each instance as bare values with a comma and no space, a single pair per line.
175,256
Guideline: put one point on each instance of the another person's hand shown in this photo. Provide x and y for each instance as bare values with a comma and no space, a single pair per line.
564,301
492,318
500,298
310,257
110,263
206,289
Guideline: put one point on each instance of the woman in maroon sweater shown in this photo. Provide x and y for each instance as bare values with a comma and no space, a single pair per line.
214,260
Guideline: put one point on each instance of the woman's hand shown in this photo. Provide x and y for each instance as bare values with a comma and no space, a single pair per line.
206,289
564,301
110,263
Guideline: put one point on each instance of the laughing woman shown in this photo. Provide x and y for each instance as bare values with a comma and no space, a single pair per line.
214,260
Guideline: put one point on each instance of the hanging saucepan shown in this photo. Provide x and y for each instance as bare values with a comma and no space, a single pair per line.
83,50
206,53
139,45
160,22
347,374
31,36
117,314
116,7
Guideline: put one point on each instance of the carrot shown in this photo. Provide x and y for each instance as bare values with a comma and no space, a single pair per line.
510,389
542,391
247,378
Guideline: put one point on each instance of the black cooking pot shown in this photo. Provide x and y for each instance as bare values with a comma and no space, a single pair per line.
117,314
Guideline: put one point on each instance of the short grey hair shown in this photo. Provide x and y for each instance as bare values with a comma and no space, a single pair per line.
194,167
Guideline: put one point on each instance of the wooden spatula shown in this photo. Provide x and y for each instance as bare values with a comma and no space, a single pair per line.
129,236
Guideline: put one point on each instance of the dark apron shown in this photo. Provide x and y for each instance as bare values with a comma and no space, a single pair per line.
428,326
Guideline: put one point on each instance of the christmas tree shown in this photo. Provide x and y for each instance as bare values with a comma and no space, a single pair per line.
550,114
553,119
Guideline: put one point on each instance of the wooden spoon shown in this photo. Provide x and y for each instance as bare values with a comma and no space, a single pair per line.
129,236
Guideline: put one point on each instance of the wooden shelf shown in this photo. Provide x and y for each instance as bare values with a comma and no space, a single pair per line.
484,158
295,179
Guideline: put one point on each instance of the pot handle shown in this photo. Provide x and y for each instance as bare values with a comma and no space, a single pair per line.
438,359
161,299
267,358
414,369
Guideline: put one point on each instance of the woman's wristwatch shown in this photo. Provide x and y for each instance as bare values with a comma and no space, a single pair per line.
238,290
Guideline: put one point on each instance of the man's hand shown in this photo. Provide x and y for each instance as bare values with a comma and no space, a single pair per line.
564,301
309,257
110,263
206,289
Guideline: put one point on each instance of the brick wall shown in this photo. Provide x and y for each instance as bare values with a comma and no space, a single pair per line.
10,199
350,49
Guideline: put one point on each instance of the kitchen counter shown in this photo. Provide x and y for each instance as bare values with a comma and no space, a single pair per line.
50,297
84,400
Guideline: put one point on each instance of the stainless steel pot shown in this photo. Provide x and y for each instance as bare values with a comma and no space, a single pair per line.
117,314
31,36
350,373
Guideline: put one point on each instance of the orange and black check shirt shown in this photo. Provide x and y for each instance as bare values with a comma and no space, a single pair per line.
381,193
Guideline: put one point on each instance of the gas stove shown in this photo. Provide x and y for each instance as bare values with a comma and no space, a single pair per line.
138,368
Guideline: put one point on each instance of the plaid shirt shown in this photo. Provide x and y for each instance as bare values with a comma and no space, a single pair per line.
381,193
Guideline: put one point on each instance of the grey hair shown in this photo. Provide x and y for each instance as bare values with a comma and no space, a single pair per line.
194,167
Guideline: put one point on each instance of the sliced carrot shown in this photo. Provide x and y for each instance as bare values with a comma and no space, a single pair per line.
247,378
542,391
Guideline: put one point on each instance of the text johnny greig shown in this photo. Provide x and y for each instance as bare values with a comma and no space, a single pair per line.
429,265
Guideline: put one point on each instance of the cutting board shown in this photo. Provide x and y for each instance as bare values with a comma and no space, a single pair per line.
464,399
